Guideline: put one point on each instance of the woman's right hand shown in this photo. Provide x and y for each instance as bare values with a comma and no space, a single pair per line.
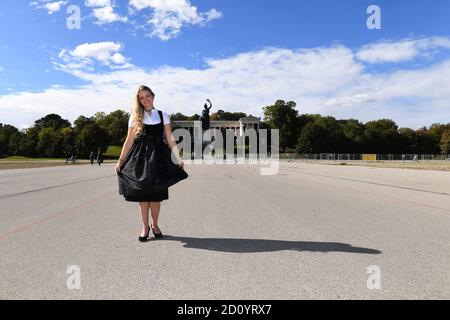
117,168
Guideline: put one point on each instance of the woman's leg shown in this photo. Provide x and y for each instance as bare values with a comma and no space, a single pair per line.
144,214
155,208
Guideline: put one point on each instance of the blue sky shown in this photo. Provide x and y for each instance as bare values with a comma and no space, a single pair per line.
242,55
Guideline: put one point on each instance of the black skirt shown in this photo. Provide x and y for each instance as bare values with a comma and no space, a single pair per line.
149,170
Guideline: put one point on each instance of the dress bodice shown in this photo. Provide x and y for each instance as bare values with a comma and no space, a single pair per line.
155,130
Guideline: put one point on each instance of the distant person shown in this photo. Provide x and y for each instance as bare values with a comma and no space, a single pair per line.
92,157
71,159
99,158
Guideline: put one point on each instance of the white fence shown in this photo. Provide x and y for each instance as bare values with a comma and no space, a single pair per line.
361,157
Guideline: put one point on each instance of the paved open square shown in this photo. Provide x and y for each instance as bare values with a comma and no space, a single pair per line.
310,232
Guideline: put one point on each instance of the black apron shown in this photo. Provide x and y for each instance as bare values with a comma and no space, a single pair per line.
148,170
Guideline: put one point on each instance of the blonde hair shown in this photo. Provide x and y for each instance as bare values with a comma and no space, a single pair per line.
137,111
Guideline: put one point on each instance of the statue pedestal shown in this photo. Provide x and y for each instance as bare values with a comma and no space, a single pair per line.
206,136
206,141
198,138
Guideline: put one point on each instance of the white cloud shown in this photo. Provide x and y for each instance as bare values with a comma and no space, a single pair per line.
213,14
326,80
97,3
84,57
54,6
405,50
117,58
349,101
169,16
51,7
107,15
103,11
167,19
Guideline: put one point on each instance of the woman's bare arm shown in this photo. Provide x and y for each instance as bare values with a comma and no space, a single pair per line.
125,148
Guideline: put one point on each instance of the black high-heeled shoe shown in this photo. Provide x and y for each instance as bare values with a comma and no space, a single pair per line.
145,238
157,235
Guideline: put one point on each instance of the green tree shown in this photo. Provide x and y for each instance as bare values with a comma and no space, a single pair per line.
118,126
445,142
195,117
312,139
81,122
28,145
381,136
91,138
16,142
304,119
353,135
436,130
408,141
178,117
334,137
284,117
67,142
221,115
48,142
6,132
426,143
115,124
99,117
238,115
52,121
325,135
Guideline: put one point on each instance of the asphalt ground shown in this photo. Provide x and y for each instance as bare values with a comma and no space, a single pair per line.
309,232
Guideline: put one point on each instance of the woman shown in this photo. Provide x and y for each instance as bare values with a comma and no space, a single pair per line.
145,166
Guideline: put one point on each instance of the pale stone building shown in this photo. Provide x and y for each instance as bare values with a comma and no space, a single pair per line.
238,127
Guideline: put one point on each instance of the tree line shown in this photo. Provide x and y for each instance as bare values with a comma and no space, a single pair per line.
313,133
53,136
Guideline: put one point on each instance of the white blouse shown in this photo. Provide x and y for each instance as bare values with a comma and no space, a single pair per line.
154,119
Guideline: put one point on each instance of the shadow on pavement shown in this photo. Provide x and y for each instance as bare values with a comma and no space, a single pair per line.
257,245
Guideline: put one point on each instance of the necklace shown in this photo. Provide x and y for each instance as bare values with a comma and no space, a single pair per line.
150,110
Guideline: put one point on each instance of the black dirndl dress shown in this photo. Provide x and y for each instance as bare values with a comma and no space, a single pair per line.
148,170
